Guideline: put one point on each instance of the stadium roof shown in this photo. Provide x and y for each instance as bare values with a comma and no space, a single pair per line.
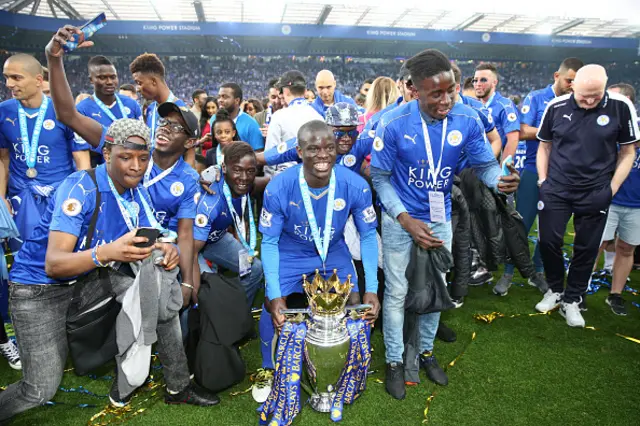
507,16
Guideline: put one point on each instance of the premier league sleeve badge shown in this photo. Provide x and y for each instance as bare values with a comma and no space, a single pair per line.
71,207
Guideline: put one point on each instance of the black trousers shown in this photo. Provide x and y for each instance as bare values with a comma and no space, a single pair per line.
589,209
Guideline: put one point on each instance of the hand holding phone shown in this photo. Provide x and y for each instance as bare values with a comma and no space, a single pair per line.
151,234
507,162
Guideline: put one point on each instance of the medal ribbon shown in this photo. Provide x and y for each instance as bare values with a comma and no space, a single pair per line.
30,147
172,98
107,111
147,175
322,244
238,222
219,156
128,209
433,169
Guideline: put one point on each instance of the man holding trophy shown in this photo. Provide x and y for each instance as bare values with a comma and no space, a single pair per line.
305,211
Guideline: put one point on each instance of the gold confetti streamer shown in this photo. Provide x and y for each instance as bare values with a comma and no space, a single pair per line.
426,409
631,339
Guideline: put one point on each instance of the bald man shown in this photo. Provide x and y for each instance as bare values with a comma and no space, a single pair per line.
586,152
37,152
327,93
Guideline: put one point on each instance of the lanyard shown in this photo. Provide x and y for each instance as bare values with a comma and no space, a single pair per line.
172,98
107,111
30,147
239,221
147,175
219,156
322,244
434,170
299,101
488,103
130,209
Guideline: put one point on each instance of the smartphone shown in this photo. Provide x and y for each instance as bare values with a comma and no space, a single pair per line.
211,174
151,233
507,162
88,30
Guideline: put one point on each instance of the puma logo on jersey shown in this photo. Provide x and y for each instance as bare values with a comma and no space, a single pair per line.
568,117
96,114
412,139
291,203
12,121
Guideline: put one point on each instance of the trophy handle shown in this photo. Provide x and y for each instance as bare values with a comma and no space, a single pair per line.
361,308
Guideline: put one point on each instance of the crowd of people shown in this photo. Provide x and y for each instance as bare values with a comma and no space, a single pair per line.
132,196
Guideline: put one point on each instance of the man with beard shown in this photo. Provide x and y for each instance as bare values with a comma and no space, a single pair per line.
532,110
230,98
170,181
327,93
263,118
105,106
502,110
415,151
198,97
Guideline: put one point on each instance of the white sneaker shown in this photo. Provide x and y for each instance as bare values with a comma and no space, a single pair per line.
549,302
571,312
261,393
9,350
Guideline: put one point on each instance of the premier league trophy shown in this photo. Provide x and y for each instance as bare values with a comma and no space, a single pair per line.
324,350
327,341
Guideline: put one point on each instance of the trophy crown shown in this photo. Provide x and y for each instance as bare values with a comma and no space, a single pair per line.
327,297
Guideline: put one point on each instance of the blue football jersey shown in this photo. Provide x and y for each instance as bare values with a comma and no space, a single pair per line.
504,114
70,211
399,147
213,217
629,193
284,216
175,195
532,111
54,160
521,156
89,108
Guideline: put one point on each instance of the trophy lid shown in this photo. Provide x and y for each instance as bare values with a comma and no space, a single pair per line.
327,297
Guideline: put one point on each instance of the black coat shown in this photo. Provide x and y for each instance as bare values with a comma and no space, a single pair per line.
222,320
461,245
497,229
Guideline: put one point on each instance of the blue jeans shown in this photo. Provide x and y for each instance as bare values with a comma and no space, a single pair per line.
527,205
224,253
396,248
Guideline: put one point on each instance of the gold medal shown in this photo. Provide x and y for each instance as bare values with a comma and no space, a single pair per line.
32,172
250,259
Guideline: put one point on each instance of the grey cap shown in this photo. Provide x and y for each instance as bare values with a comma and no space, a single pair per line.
123,129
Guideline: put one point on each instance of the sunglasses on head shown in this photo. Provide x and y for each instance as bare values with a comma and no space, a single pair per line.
351,133
481,80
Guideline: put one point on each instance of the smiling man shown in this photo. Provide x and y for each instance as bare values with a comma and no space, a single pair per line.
416,150
230,98
105,106
170,181
586,152
305,211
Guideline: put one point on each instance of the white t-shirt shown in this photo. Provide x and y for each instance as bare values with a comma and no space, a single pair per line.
284,126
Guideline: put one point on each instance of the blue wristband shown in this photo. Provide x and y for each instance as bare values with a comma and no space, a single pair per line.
94,257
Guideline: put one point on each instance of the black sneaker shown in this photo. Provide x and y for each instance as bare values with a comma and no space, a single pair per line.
617,304
433,370
192,395
394,380
445,333
480,277
114,395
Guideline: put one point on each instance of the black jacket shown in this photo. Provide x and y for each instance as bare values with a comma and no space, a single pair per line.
222,320
427,293
461,245
497,230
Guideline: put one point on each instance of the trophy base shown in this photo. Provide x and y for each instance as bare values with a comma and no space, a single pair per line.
322,402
